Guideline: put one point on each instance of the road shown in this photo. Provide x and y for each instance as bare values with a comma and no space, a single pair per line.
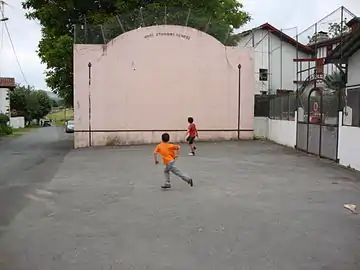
27,163
255,206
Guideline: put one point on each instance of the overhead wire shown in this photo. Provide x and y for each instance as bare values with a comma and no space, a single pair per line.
2,35
1,43
13,48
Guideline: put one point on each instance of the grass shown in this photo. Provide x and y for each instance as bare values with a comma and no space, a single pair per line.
14,135
25,129
59,117
19,131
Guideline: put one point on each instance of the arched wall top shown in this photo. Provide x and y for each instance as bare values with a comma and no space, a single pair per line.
171,31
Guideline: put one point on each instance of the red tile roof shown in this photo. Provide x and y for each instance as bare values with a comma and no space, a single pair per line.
286,38
7,82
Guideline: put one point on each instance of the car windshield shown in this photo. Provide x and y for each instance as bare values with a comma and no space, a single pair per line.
71,123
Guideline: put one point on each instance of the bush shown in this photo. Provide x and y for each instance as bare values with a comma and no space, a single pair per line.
5,129
4,119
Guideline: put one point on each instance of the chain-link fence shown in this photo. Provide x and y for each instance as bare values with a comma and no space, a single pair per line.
323,38
262,105
86,33
351,112
277,107
331,26
283,107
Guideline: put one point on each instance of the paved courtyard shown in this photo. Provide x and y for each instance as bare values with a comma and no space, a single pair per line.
255,205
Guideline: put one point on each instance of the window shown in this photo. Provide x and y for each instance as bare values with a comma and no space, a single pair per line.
351,114
263,74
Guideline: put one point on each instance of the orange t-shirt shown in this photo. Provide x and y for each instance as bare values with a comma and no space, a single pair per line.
166,150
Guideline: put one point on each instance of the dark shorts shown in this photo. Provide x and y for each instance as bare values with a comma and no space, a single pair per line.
190,140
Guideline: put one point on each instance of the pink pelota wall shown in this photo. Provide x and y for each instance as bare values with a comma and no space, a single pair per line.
150,80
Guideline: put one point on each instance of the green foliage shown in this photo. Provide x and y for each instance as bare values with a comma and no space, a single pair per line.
334,30
5,129
59,17
336,80
30,103
54,103
4,119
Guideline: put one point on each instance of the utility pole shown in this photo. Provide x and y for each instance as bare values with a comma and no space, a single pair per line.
2,11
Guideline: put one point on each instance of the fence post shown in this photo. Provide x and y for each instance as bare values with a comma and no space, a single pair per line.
289,111
338,150
239,103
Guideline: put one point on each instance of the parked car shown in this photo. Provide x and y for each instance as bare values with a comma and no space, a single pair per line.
69,126
46,123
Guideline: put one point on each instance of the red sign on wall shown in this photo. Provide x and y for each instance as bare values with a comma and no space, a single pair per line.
316,107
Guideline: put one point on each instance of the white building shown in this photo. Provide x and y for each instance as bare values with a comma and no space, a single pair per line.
349,54
274,52
6,85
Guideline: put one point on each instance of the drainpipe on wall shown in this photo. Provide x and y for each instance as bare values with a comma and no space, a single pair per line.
239,102
89,66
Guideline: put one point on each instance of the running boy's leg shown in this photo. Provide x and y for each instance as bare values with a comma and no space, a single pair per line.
191,144
177,172
167,177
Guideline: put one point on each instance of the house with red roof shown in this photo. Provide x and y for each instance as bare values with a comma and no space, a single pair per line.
274,52
282,63
6,85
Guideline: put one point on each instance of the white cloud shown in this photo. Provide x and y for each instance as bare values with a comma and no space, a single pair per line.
282,14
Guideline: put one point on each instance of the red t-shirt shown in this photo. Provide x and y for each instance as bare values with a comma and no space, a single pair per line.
192,130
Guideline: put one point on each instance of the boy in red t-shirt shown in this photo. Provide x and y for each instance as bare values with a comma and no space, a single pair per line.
190,136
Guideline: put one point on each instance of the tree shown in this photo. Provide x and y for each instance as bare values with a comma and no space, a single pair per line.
30,103
5,129
18,103
58,18
334,30
54,103
336,80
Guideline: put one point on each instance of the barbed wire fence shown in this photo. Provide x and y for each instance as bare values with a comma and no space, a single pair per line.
86,33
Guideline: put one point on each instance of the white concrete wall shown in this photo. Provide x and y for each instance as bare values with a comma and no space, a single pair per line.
275,56
261,127
354,70
280,131
349,146
17,122
4,100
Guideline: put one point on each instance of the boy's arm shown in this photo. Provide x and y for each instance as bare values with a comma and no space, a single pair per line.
156,151
174,147
177,150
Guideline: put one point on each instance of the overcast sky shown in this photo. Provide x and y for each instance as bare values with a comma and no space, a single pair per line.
280,13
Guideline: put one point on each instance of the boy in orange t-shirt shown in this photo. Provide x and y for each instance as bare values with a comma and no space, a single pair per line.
167,152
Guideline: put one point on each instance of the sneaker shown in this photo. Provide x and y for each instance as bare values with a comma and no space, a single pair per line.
191,154
191,182
165,186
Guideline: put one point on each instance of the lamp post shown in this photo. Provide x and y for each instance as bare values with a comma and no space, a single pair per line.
90,139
